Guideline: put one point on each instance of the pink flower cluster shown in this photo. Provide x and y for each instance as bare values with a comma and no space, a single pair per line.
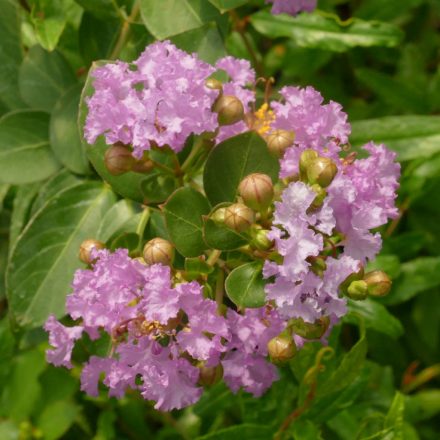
292,7
160,334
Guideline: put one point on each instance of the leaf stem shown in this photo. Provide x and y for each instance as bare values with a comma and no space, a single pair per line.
219,289
192,155
145,217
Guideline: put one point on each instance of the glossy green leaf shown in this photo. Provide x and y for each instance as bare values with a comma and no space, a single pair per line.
45,257
326,31
183,215
226,5
375,316
198,266
186,15
10,54
57,418
410,136
245,286
241,432
44,77
231,161
25,154
64,135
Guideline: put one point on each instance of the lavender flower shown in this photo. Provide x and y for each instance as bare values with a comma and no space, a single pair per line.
292,7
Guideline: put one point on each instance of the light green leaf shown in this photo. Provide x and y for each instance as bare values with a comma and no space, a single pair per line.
44,77
231,161
25,155
45,256
226,5
57,418
186,15
410,136
245,286
394,417
327,32
183,216
9,430
304,429
64,135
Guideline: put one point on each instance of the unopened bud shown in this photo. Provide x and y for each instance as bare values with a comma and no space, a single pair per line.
317,265
210,375
378,282
310,330
306,158
118,160
239,217
321,171
281,348
158,251
86,249
321,194
260,240
257,191
214,84
142,166
218,216
229,108
355,276
357,290
279,141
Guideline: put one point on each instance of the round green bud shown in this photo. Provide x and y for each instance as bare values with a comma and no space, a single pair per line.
321,171
378,282
357,290
256,190
86,248
281,349
218,216
118,160
158,251
306,158
239,217
355,276
310,330
279,141
210,375
229,108
260,240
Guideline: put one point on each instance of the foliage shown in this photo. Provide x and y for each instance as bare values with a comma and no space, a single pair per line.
378,378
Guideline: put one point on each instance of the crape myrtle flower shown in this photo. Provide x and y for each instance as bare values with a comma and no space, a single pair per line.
292,7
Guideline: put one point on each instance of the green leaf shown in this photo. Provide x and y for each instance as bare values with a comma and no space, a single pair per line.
327,32
64,135
186,15
205,41
417,276
44,77
245,286
241,432
394,417
183,216
100,8
388,263
10,54
9,430
231,161
57,418
218,236
49,20
157,187
226,5
305,430
375,316
198,266
126,240
422,405
25,155
385,9
411,137
45,257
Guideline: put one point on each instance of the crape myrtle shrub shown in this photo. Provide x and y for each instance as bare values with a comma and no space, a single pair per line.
226,171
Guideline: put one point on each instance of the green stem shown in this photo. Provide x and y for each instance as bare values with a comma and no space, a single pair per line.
219,289
213,257
145,217
191,157
163,168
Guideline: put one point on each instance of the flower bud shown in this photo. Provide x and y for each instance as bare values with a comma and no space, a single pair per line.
210,375
229,108
279,141
378,282
281,348
321,194
306,158
239,217
317,265
86,248
158,251
355,276
256,191
310,330
260,240
142,166
214,84
218,216
321,171
357,290
118,160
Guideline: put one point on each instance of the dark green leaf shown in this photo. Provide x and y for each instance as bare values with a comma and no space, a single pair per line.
410,136
305,430
183,215
157,187
100,8
126,240
375,316
388,263
241,432
186,15
231,161
326,32
64,136
25,155
44,77
226,5
245,286
46,255
198,266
